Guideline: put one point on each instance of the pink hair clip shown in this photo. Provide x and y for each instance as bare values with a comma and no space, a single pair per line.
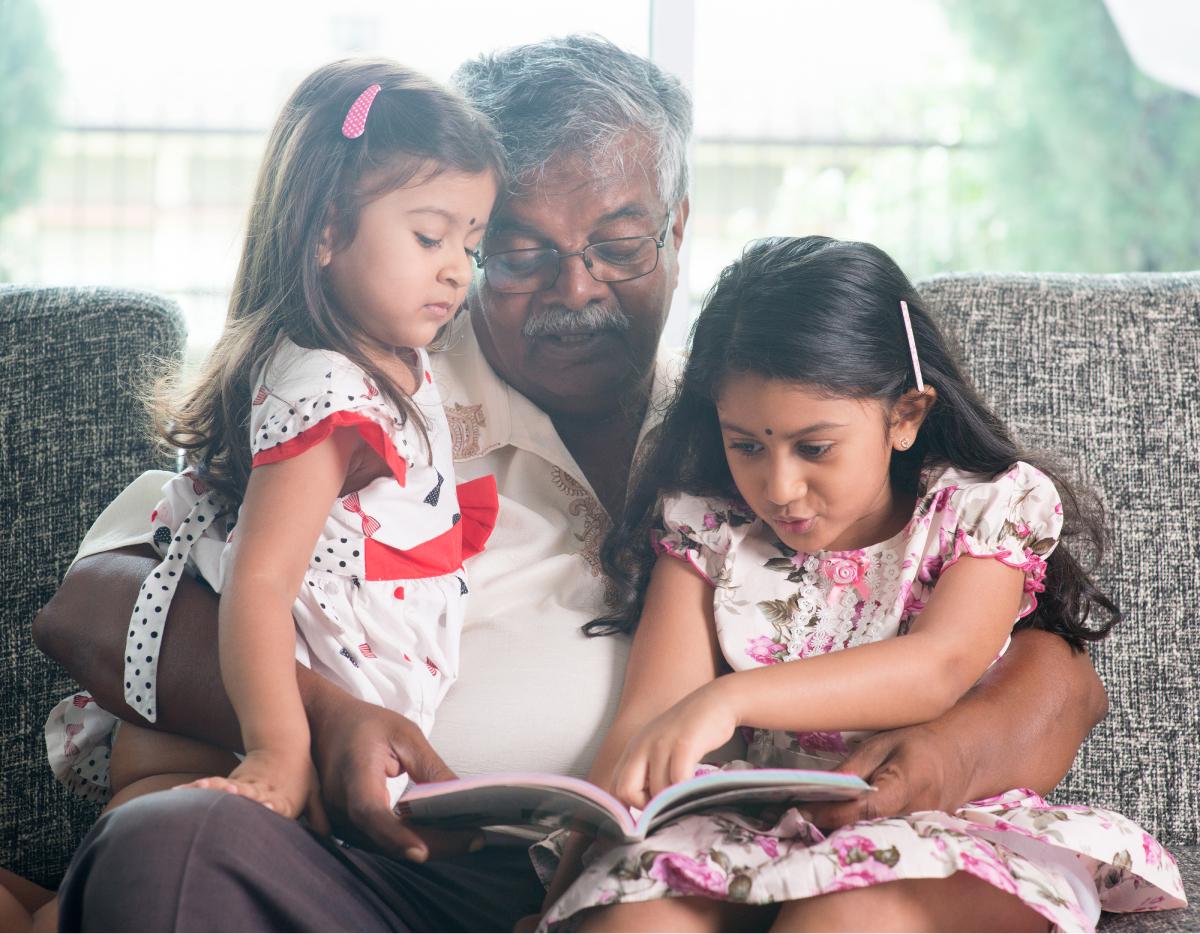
355,123
912,345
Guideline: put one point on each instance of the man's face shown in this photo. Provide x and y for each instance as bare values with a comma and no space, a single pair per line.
581,346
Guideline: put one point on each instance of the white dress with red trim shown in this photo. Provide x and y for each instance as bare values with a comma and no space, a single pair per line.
381,606
772,605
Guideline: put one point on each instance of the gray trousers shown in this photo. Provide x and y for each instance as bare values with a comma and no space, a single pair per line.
197,860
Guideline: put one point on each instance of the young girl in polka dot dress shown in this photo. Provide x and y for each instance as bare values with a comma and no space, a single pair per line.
843,538
319,497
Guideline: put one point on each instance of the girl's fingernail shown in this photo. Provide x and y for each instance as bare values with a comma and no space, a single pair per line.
416,854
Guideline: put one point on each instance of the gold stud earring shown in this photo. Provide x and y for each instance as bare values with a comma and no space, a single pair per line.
904,443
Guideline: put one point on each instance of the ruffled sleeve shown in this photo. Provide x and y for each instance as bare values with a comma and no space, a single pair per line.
1016,518
302,395
700,531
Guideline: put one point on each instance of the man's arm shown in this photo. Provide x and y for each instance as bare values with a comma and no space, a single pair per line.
356,745
1019,727
83,629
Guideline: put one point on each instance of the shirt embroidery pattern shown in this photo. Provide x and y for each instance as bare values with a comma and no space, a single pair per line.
465,422
595,522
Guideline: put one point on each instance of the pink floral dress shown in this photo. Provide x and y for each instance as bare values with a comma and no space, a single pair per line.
381,605
775,605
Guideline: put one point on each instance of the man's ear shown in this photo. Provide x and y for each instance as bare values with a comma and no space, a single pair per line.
679,220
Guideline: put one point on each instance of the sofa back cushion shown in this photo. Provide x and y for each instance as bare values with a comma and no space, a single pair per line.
1102,371
72,435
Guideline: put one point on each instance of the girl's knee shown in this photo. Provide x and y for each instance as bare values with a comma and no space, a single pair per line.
693,913
884,907
957,903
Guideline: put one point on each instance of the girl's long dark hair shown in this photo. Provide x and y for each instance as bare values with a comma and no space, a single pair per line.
311,178
826,313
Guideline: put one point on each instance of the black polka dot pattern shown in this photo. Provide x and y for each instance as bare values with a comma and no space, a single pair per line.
154,601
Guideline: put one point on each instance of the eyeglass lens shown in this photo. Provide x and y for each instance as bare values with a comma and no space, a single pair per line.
608,261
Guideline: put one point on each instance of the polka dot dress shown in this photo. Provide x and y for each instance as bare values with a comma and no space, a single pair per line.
381,606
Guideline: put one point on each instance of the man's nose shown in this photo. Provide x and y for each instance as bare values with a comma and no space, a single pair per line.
785,483
575,288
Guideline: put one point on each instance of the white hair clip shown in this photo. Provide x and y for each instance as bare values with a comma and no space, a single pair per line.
912,345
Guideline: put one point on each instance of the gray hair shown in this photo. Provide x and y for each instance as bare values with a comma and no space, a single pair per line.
581,94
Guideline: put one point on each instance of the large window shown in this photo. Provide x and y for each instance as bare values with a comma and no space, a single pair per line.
956,134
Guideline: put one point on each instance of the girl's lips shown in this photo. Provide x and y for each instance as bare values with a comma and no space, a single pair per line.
440,308
795,526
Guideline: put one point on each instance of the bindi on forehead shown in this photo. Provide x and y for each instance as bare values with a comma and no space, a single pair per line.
768,431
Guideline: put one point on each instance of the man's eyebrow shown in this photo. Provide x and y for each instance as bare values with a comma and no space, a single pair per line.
806,430
629,210
510,225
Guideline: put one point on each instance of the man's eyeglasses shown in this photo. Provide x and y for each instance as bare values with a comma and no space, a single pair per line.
520,272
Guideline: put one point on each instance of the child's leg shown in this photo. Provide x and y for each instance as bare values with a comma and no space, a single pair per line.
959,903
691,913
146,760
142,761
19,900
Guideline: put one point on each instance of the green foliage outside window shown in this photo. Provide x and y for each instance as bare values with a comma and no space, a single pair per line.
29,86
1085,163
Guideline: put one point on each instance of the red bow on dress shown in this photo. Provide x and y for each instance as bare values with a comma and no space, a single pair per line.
370,525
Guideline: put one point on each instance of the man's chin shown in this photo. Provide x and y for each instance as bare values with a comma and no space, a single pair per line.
566,382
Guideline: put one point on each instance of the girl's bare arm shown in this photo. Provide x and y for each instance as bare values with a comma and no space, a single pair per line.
877,686
283,512
674,652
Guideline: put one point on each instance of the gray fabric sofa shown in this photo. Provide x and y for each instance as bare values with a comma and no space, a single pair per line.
72,434
1100,369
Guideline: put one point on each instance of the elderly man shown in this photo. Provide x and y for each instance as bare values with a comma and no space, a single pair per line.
548,382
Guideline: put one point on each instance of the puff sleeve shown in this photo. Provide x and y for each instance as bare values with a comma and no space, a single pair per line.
302,395
700,531
1016,518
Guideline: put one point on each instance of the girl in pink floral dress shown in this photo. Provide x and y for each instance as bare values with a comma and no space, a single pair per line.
834,536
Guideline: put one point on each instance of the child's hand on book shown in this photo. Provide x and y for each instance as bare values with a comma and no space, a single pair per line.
669,748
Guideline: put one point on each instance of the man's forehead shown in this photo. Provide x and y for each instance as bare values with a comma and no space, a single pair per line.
590,191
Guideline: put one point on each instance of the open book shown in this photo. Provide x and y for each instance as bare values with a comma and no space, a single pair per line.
553,801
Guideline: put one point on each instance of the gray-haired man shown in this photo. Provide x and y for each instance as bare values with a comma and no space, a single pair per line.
548,385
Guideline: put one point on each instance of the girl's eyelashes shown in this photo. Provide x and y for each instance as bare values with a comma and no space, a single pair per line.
808,451
745,448
428,242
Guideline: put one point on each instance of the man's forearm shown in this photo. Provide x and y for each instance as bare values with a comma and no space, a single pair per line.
83,628
1023,723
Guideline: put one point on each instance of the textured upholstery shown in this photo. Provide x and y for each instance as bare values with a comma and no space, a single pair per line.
72,434
1102,372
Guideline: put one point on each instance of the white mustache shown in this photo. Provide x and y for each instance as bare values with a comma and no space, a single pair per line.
556,322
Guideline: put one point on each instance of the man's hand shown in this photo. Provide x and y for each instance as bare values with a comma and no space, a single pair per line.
912,769
357,747
1019,727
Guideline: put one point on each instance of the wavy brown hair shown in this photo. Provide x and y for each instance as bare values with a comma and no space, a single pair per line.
312,178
